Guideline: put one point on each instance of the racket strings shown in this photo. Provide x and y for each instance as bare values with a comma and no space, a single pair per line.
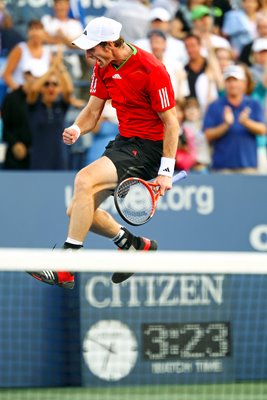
135,201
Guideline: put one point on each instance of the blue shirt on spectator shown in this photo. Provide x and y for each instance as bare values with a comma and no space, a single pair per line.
237,147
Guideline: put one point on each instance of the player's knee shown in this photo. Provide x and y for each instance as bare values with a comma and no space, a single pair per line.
83,182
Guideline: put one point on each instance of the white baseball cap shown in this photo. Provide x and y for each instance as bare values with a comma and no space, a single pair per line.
35,67
159,13
98,30
234,71
259,44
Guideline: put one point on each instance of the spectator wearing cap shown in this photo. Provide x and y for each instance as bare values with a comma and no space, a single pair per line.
136,13
16,130
160,19
202,25
158,43
219,6
259,57
246,53
24,53
231,125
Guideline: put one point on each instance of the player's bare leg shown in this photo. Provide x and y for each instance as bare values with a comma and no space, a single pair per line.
92,186
95,178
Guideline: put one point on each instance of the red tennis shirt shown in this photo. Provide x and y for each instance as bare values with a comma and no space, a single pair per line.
139,89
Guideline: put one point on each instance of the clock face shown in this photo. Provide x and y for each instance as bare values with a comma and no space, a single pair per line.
110,350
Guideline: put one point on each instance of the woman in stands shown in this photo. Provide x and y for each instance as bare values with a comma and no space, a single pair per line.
24,52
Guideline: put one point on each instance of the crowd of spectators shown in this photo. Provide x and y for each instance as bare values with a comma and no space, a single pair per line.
215,53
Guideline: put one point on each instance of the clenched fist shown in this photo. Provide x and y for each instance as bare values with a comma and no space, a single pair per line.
71,134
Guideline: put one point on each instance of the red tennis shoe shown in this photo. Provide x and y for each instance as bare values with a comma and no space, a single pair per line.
61,279
145,245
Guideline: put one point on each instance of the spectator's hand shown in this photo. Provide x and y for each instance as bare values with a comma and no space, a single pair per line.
71,134
19,150
61,37
228,115
57,58
60,34
244,116
206,41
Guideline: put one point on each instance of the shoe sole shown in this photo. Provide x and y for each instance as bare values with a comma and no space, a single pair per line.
63,285
119,277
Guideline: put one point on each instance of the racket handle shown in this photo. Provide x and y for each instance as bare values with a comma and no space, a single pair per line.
178,177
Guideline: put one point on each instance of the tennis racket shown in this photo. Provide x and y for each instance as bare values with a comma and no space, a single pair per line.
136,199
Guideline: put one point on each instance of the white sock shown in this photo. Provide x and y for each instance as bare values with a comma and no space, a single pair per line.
74,241
118,236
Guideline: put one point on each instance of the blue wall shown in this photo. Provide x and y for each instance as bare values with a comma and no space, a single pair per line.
42,328
212,212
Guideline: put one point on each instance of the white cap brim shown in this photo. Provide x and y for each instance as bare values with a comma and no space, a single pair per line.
84,43
238,76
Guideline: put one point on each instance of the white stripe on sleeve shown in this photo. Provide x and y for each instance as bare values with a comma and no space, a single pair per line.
165,102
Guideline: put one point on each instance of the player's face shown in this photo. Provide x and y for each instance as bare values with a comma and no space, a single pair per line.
102,56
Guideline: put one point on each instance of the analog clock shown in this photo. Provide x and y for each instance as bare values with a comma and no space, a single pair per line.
110,350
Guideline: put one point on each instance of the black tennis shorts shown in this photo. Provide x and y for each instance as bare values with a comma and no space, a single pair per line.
135,157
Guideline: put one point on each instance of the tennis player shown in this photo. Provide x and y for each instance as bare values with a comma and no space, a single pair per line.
142,94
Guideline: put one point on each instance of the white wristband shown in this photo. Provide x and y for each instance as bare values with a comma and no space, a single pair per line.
167,166
76,128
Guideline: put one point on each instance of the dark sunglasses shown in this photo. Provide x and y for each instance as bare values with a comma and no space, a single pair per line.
50,83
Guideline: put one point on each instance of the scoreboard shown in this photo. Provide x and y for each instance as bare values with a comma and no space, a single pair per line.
186,341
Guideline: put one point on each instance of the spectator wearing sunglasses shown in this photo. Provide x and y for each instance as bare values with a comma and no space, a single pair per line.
16,131
48,102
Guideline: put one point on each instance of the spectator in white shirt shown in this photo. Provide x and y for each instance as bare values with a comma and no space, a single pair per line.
160,20
60,29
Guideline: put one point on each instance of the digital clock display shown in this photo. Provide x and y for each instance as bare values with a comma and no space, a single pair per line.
186,341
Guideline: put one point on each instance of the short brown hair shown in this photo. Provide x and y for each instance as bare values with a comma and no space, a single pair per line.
117,43
35,23
191,102
193,36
